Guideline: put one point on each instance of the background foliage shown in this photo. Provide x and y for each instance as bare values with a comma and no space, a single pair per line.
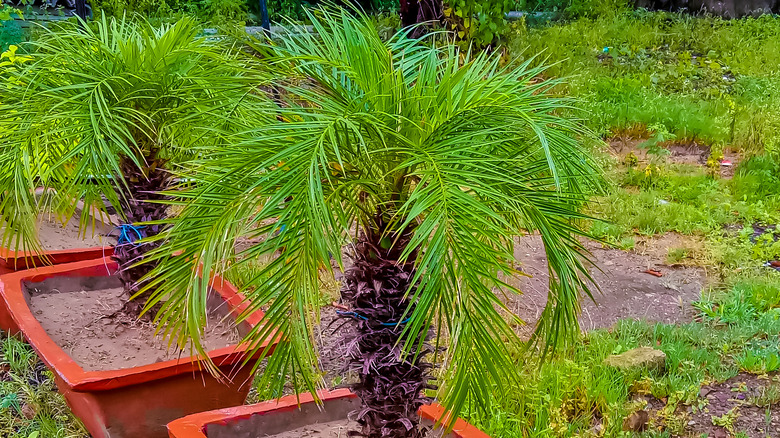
10,31
480,22
705,79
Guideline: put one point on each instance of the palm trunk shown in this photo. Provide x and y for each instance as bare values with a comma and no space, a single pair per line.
144,185
391,388
420,11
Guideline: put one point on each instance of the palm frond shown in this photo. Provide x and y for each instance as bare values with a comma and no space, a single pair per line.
464,152
94,95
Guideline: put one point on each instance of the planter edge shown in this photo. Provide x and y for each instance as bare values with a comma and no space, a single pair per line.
73,374
21,260
194,426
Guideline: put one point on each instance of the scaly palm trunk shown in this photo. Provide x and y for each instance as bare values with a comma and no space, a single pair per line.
391,388
144,185
420,11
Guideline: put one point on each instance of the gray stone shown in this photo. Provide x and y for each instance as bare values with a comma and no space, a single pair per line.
642,357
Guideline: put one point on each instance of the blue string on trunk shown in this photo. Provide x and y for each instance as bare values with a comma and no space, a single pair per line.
125,234
363,318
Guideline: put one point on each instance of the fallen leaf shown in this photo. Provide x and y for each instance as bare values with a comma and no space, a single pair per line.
636,422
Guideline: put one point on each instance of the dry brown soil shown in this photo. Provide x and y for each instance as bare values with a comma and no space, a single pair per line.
81,322
626,291
741,398
55,235
332,429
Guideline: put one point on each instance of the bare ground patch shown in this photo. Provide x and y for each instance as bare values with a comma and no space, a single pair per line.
627,291
746,404
688,152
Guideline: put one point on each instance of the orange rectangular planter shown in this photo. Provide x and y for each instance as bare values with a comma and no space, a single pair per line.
18,260
133,402
289,413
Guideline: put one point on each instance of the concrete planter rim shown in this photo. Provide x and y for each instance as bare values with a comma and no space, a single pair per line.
194,426
11,287
21,260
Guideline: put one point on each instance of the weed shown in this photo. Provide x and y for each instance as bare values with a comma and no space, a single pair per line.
29,403
676,255
765,360
627,243
769,395
727,420
750,298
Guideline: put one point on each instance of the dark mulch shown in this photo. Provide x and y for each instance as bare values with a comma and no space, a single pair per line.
743,404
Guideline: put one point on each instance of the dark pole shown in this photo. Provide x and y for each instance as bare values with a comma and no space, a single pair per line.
264,21
81,9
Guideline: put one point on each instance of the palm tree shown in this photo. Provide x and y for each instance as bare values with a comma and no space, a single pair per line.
428,163
101,112
414,12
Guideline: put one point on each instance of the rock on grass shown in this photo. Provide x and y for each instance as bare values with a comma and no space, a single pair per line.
643,357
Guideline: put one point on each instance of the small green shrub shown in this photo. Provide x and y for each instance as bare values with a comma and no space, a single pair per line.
597,8
279,10
215,12
11,33
756,178
479,22
219,11
759,361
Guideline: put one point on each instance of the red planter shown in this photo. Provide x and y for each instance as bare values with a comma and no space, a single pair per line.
18,260
134,402
272,417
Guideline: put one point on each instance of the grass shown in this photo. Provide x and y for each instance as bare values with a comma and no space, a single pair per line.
696,77
567,396
669,77
685,199
664,79
30,406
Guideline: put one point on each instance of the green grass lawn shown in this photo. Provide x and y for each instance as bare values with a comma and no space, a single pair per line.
673,78
30,406
568,395
689,77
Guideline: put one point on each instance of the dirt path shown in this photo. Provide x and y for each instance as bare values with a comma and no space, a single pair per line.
626,291
745,403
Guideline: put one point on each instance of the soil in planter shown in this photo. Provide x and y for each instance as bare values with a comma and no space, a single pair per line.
331,429
81,323
53,235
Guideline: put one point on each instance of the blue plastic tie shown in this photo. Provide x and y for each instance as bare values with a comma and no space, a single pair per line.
125,231
363,318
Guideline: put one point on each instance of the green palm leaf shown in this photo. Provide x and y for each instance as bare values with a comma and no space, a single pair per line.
96,95
382,137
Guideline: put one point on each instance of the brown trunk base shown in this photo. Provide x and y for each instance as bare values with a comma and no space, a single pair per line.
391,388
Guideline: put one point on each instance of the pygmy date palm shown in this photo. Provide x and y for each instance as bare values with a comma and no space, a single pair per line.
424,165
99,112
